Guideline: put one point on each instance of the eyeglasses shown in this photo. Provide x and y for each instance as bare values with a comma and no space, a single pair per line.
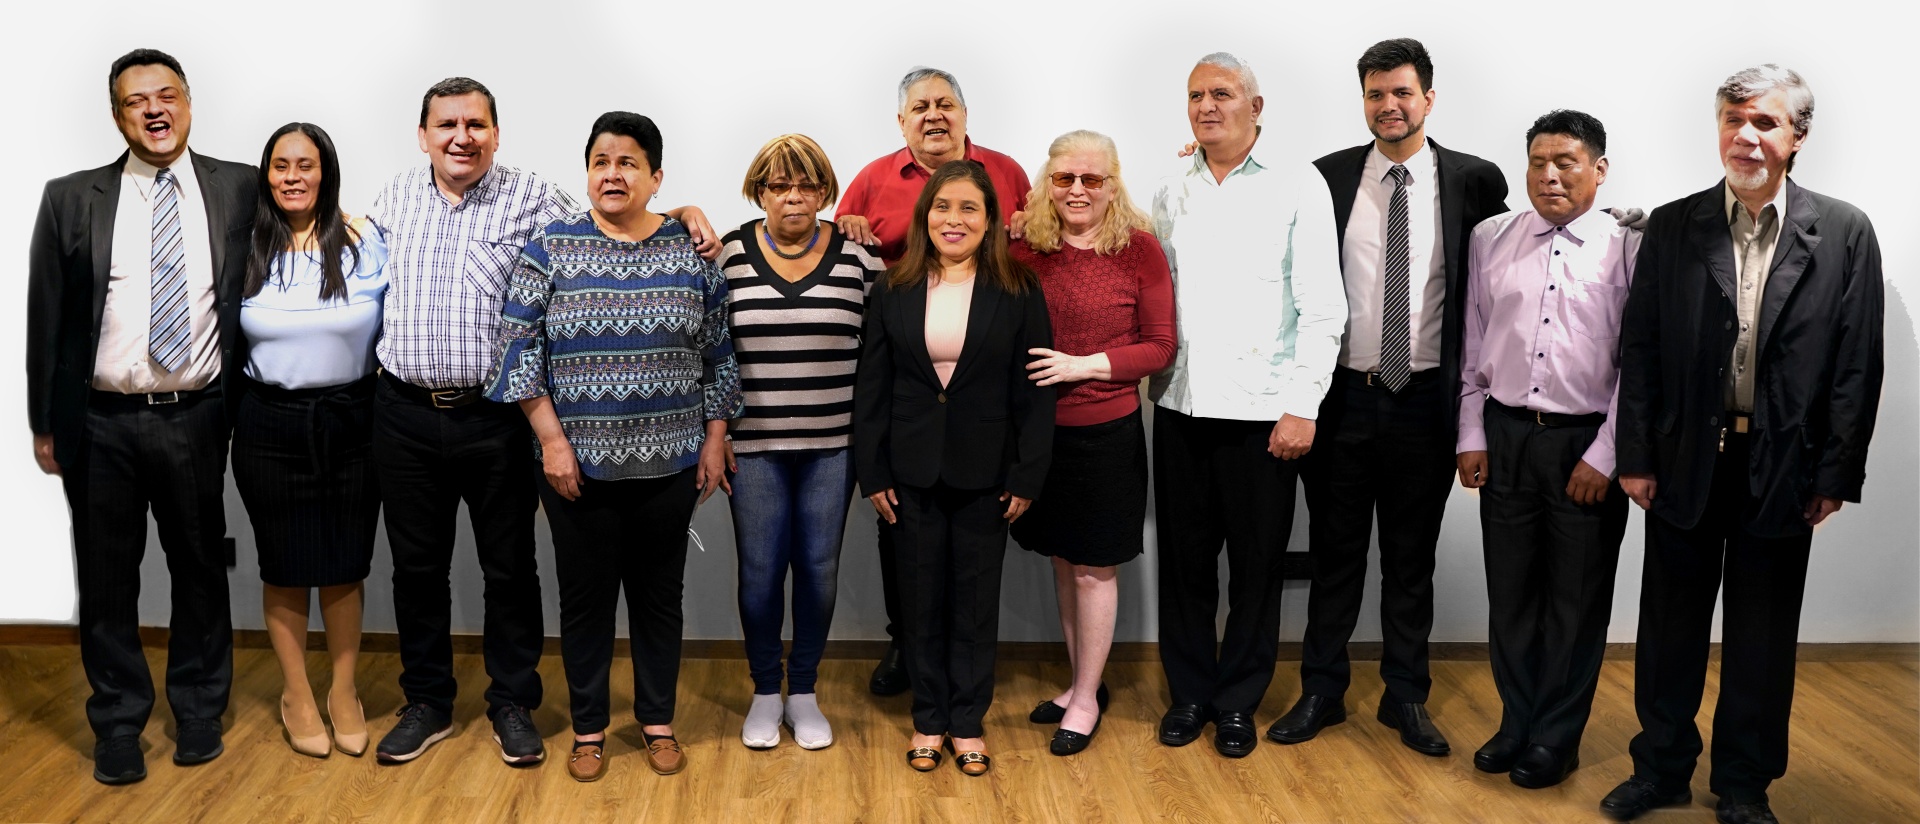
1065,180
808,189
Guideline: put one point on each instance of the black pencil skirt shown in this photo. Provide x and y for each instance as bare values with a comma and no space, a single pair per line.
302,460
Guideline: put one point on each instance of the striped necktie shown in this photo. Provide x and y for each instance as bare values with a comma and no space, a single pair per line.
167,324
1396,352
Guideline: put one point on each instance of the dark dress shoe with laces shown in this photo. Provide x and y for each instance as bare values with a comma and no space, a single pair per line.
117,760
1499,753
1047,712
1543,766
1416,728
890,675
198,742
1751,812
1309,716
1182,724
1068,742
1636,796
1233,734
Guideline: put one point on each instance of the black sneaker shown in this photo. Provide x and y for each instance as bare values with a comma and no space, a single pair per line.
117,760
198,741
519,742
420,727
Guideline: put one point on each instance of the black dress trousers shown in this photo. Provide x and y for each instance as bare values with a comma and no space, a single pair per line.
1214,482
171,457
1376,451
1550,572
951,545
1764,581
429,460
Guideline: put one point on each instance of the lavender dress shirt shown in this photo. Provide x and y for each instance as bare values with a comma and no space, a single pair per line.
1543,321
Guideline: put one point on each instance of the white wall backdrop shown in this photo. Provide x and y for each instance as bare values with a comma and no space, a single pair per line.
722,78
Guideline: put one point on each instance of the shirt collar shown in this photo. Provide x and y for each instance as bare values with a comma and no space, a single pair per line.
144,173
1418,166
482,186
904,158
1779,203
1248,167
1594,223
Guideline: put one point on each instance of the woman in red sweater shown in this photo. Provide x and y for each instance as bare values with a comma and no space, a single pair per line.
1110,298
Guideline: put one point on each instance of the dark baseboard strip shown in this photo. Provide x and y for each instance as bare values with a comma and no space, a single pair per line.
53,634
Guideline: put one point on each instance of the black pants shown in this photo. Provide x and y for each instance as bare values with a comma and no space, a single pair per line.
172,457
629,535
1765,579
889,580
429,460
1550,570
950,545
1214,482
1375,450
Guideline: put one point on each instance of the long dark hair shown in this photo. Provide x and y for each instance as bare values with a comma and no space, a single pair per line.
992,261
272,233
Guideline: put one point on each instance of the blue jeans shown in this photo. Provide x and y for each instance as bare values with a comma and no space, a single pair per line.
789,510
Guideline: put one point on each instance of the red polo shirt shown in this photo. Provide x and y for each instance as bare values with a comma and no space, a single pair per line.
884,193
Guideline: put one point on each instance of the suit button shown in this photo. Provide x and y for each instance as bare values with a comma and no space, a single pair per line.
942,397
1713,421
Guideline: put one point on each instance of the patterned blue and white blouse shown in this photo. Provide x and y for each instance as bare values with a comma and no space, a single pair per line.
629,339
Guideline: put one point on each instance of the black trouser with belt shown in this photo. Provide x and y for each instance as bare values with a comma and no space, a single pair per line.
1550,570
1764,580
1375,449
1214,482
168,452
431,456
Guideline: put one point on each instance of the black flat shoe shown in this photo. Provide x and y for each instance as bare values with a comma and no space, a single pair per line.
1416,728
1542,766
1499,753
1310,715
1233,734
890,675
1636,796
1752,812
1182,724
1068,742
1047,712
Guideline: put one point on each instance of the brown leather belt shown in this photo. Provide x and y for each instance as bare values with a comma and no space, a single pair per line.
436,398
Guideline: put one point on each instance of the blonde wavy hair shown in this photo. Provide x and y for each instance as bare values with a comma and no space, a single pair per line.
1043,218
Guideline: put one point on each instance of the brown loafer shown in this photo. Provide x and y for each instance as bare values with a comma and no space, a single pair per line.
971,762
924,759
664,755
588,760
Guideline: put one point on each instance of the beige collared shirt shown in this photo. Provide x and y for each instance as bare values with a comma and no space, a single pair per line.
1754,242
122,362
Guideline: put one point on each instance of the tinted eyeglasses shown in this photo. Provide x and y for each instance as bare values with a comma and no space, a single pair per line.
1065,180
807,189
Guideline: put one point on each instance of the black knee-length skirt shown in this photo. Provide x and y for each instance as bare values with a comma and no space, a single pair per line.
304,465
1093,507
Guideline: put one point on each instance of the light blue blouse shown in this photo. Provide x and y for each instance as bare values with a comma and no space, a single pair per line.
299,342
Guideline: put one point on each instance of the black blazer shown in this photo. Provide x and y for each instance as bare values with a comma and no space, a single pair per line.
1818,368
68,262
990,428
1471,190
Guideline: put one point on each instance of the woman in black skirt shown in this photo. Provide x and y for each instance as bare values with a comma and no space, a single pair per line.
1111,301
311,312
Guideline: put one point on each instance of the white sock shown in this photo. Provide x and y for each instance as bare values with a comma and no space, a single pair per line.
762,729
810,728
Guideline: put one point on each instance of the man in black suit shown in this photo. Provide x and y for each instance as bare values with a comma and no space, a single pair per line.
1405,208
1750,378
133,320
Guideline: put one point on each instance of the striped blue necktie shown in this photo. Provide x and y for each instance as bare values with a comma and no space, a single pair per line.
1396,352
167,324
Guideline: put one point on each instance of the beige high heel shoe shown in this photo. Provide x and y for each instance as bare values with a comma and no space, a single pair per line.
315,745
349,734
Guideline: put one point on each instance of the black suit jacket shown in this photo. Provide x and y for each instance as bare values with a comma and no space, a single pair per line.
1818,368
990,428
71,251
1471,190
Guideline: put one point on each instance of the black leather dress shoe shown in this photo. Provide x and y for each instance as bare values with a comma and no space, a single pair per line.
1068,742
1543,766
1416,728
1309,715
1233,734
1047,712
198,741
1499,753
1751,812
1182,724
890,675
1636,795
117,760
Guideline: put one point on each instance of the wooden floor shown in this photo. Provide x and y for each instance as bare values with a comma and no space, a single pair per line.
1856,757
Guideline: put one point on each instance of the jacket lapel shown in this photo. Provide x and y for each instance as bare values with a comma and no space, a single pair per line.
1345,189
1713,240
1797,242
213,195
1451,204
913,314
104,206
986,299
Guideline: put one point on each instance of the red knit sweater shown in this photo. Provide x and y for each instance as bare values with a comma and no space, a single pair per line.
1120,304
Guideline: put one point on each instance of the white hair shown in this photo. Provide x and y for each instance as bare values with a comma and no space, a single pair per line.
920,73
1747,84
1240,68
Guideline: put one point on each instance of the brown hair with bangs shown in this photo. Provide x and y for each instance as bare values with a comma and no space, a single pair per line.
993,261
797,157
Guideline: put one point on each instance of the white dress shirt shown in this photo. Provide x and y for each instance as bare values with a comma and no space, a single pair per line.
1256,285
122,363
1363,255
